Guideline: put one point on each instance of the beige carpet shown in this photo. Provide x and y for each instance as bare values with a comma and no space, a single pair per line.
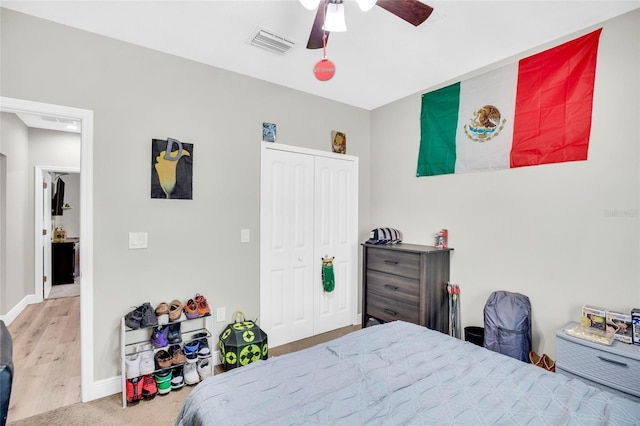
159,411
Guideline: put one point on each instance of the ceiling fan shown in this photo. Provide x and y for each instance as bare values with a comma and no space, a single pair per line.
412,11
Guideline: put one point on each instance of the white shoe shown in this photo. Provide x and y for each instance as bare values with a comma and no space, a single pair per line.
204,368
132,365
147,363
163,319
190,374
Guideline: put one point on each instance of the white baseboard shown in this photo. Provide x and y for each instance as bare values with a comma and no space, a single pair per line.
15,311
106,387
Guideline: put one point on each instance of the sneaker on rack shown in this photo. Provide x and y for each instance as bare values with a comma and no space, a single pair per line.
147,364
191,309
177,381
203,345
191,374
177,355
174,335
191,351
201,305
163,359
162,309
204,368
132,365
149,318
149,387
175,309
163,381
163,319
134,389
162,313
159,336
133,318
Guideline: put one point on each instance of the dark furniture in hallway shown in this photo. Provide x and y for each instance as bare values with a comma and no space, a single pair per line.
63,262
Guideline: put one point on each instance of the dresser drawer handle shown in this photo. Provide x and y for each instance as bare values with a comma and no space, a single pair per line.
391,262
613,361
390,312
392,287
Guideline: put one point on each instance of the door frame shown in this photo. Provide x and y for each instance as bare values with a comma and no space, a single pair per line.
18,106
39,219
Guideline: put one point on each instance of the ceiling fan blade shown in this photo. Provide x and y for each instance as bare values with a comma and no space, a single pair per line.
315,37
412,11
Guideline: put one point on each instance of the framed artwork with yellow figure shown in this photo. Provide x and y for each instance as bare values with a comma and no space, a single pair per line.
171,169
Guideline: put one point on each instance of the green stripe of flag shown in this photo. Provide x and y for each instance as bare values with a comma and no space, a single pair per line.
439,119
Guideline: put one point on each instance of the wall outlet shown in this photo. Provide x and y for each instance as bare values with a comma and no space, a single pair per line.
137,240
221,314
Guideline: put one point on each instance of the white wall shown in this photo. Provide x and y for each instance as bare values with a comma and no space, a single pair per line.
136,95
563,234
14,279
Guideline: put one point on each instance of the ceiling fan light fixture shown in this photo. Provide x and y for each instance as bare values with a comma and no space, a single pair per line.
334,20
310,4
365,5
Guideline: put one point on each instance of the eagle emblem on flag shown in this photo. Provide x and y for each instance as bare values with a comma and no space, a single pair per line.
485,125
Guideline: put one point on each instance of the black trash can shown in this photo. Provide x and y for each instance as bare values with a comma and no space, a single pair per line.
474,335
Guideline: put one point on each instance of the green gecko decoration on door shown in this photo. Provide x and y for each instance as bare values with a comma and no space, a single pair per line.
328,280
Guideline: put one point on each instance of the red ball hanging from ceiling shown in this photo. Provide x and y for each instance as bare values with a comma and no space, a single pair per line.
324,69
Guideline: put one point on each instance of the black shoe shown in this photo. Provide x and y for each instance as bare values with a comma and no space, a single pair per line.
133,318
174,336
149,318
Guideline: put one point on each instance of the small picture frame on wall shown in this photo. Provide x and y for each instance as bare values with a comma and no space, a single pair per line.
338,142
268,132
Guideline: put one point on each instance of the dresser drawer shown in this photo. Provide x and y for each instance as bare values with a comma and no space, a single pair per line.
391,310
395,287
394,262
599,365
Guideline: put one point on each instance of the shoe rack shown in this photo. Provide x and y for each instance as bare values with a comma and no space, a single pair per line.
132,340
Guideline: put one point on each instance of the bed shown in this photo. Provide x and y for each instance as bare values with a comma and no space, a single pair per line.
394,374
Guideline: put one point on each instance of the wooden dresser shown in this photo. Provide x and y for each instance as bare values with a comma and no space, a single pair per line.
406,282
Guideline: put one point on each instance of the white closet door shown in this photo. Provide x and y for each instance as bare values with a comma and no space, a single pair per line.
335,235
286,238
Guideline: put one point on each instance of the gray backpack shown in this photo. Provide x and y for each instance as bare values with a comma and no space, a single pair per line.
507,324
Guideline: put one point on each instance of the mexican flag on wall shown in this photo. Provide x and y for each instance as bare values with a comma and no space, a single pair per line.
536,111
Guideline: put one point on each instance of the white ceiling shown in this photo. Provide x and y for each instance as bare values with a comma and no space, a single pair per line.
48,122
380,59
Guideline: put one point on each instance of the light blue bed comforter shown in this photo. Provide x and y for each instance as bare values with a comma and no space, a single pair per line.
396,374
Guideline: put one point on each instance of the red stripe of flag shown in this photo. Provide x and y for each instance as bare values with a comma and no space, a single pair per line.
554,100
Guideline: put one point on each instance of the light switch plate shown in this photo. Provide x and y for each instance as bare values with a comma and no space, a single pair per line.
137,240
245,235
221,314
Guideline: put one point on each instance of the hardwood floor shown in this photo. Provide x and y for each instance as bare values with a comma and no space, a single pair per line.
46,357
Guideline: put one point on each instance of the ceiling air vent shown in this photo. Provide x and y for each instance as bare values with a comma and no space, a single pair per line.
268,40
